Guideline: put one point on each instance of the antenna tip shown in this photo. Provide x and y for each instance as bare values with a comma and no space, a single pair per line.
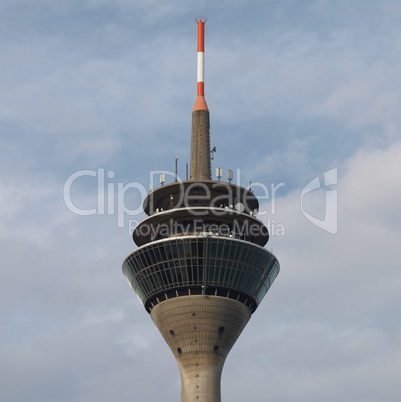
200,19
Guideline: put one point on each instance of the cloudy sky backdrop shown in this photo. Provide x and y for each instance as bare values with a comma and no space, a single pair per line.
295,89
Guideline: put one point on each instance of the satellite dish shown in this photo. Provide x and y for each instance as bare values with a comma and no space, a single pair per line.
212,151
240,207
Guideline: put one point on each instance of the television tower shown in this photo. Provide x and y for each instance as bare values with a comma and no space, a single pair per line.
200,269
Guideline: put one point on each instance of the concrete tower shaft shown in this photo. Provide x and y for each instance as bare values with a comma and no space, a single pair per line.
200,331
200,146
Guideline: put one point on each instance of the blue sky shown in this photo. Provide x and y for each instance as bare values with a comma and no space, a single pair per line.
295,89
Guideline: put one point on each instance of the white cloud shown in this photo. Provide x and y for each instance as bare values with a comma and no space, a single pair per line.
332,319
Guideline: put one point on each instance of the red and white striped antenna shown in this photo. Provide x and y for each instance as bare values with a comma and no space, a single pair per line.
200,103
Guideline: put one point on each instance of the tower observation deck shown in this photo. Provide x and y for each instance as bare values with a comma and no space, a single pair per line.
200,269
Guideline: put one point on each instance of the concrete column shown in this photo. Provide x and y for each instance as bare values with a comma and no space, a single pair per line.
200,168
200,331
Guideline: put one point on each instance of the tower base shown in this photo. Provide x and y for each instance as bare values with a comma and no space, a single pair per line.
200,331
